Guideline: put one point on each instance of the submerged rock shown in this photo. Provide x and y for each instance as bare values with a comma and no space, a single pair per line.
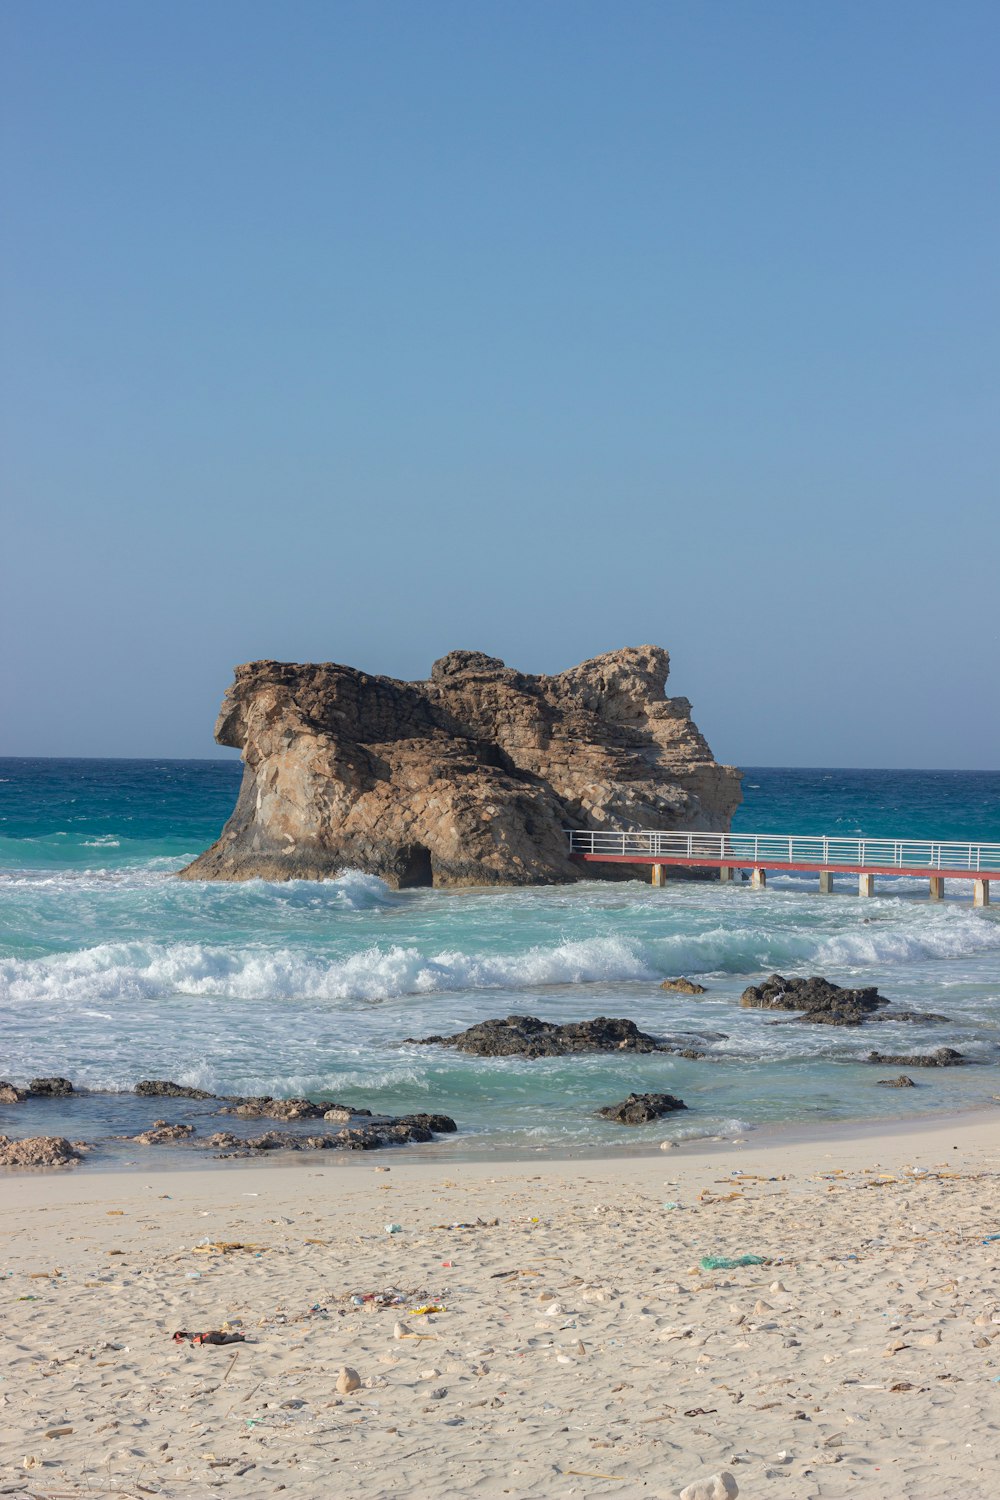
56,1088
819,999
944,1057
163,1088
920,1017
163,1134
902,1082
527,1036
641,1109
683,986
38,1151
470,778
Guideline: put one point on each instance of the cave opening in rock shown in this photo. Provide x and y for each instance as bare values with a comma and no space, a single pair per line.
415,867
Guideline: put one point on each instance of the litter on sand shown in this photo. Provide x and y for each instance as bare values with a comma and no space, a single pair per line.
213,1336
731,1262
223,1247
479,1224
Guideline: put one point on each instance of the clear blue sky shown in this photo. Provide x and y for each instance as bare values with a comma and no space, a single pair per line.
364,331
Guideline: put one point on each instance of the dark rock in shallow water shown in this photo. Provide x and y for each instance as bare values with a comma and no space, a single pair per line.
920,1017
155,1088
11,1094
683,987
38,1151
55,1088
527,1036
381,1132
267,1108
439,1124
641,1109
902,1082
821,1001
944,1057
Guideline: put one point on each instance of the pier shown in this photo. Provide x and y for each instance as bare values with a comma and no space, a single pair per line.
931,859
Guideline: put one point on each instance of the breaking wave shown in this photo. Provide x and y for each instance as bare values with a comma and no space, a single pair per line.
128,971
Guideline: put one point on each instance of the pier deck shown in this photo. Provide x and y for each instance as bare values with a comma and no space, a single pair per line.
933,859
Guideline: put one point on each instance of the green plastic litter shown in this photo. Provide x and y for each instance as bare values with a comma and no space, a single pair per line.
730,1262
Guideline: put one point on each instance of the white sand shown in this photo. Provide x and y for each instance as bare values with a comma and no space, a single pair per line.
582,1353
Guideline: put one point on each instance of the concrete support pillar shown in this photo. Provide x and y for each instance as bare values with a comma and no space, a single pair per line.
866,885
826,882
937,888
725,874
980,893
758,880
659,875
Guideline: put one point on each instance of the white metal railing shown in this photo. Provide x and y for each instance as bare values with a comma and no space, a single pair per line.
772,849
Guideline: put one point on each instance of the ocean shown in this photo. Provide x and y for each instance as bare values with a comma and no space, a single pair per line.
112,971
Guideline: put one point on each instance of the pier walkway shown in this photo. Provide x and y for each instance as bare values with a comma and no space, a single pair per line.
933,859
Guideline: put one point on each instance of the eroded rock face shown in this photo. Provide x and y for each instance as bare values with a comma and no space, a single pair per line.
683,986
10,1093
469,778
818,999
642,1109
38,1151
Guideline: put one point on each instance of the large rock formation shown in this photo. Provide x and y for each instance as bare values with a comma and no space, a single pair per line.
468,779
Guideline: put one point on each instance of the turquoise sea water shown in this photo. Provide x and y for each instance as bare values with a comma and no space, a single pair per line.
111,971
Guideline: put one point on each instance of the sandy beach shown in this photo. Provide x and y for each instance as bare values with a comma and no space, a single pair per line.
580,1347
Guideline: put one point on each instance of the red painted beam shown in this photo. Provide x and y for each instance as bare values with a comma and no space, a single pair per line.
705,863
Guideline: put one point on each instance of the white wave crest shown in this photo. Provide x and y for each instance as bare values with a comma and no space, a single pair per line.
131,971
959,935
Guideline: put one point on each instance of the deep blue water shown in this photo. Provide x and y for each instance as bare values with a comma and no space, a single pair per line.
110,970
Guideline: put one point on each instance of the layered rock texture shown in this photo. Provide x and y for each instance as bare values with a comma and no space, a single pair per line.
470,778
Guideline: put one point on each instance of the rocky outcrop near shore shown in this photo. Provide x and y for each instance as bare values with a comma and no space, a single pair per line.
819,1000
527,1036
382,1131
641,1109
942,1057
40,1151
469,778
